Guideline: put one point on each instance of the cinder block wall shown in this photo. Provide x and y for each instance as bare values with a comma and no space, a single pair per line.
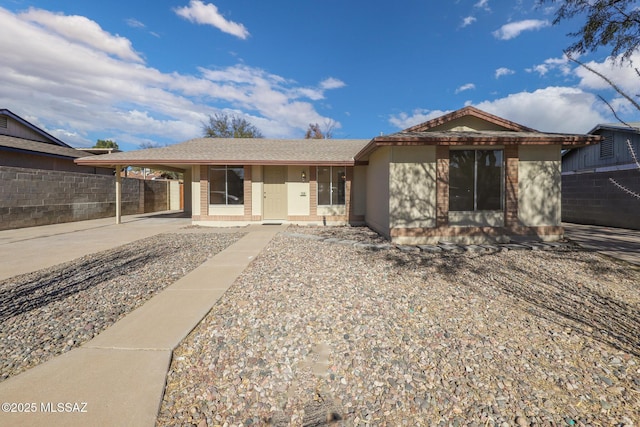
30,197
590,198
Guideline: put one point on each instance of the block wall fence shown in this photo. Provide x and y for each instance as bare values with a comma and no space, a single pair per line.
31,197
590,198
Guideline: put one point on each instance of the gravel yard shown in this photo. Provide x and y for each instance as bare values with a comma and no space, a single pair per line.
48,312
316,331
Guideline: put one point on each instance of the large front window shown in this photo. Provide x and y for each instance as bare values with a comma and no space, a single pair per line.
331,185
226,185
475,180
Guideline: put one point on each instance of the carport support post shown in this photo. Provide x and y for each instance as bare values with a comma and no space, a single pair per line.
118,194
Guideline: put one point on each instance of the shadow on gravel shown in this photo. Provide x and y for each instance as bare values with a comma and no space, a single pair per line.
21,294
570,305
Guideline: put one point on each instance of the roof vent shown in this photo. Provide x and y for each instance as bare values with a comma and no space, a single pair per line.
3,122
606,147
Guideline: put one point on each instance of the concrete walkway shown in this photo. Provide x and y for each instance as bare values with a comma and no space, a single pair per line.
118,378
617,243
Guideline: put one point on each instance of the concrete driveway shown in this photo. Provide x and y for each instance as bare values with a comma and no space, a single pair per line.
24,250
618,243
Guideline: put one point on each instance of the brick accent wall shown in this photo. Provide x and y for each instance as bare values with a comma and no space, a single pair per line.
313,191
442,186
31,197
590,198
511,186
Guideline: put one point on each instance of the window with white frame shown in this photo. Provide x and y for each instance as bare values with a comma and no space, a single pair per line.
476,180
331,185
226,185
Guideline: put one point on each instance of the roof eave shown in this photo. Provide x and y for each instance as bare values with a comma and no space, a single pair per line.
162,163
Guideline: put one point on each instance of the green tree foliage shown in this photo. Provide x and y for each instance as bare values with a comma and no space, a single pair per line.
609,23
224,126
106,143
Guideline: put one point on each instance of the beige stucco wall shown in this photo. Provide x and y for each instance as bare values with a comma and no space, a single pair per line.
229,210
412,184
195,189
476,219
359,190
539,185
377,199
298,194
257,190
468,123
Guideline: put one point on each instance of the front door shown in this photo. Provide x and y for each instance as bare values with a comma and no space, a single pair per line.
275,193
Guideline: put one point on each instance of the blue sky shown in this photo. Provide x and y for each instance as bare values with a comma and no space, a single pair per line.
140,72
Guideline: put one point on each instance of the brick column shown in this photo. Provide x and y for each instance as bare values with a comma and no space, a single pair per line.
313,191
442,186
511,186
347,190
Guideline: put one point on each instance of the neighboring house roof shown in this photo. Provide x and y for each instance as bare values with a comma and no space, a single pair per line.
633,127
26,145
50,138
239,151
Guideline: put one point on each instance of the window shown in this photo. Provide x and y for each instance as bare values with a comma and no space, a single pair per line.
475,180
331,185
226,185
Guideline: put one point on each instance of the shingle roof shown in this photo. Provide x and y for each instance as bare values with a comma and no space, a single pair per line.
245,151
21,144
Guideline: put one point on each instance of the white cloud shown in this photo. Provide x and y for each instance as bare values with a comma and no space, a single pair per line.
503,71
552,109
623,74
208,14
468,21
560,64
468,86
482,4
332,83
134,23
406,120
76,90
78,29
514,29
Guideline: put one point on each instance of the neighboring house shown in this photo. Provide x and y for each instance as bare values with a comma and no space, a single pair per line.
589,196
467,176
24,145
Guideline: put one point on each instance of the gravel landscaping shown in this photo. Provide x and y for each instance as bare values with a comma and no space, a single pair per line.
319,332
48,312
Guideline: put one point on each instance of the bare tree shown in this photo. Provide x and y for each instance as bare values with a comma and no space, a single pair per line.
224,126
608,23
315,132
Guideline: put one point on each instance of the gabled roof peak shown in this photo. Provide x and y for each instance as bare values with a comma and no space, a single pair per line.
468,111
53,140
